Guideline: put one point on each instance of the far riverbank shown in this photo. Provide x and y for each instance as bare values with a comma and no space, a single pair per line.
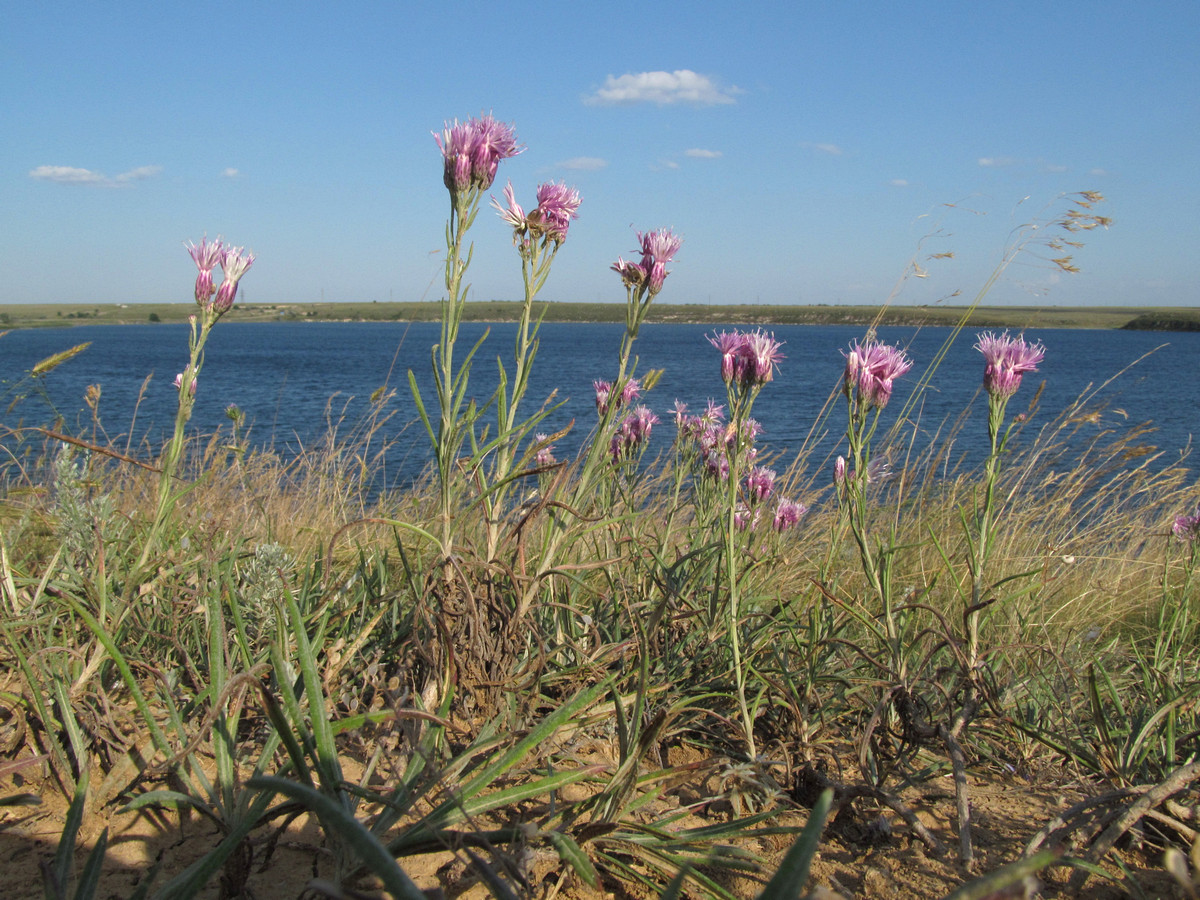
1177,318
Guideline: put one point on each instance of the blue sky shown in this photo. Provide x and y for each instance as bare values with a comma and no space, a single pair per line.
806,152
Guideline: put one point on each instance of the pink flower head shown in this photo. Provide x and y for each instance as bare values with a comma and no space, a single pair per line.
1007,358
681,414
760,484
839,472
603,391
206,256
604,394
658,248
634,430
545,454
557,206
513,214
787,514
748,359
745,518
761,352
233,265
631,273
472,151
631,391
179,384
729,343
1187,528
872,367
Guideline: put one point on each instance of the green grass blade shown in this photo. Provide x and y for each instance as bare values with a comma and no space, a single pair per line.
356,836
788,882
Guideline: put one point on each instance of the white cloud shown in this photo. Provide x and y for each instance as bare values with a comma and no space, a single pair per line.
67,175
73,175
138,174
230,173
827,149
899,182
995,162
697,153
584,163
1099,173
661,88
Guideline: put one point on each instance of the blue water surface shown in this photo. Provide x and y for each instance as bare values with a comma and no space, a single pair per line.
286,376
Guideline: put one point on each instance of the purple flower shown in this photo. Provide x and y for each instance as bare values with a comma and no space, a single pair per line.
745,518
206,257
557,206
1007,358
658,248
761,352
1187,528
872,367
730,345
748,359
233,265
681,414
787,514
545,454
839,472
760,483
634,430
472,151
631,273
604,394
179,384
513,214
603,391
631,391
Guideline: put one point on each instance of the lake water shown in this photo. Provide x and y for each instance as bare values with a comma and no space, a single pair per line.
283,375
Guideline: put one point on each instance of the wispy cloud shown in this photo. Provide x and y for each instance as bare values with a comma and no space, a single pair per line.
662,89
697,153
584,163
827,149
230,173
899,182
1039,165
1099,173
75,176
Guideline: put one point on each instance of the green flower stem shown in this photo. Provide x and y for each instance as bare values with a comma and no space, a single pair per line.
740,404
167,496
535,269
451,386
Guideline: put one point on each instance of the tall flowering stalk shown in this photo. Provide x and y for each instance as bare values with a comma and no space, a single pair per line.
213,302
643,281
748,362
471,155
537,236
870,373
1006,359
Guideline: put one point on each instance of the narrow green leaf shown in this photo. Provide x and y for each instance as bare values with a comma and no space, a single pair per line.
789,881
574,855
336,819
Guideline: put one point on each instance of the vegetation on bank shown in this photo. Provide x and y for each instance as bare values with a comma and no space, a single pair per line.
1014,317
618,674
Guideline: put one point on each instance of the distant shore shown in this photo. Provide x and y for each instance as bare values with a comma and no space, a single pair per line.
1160,318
